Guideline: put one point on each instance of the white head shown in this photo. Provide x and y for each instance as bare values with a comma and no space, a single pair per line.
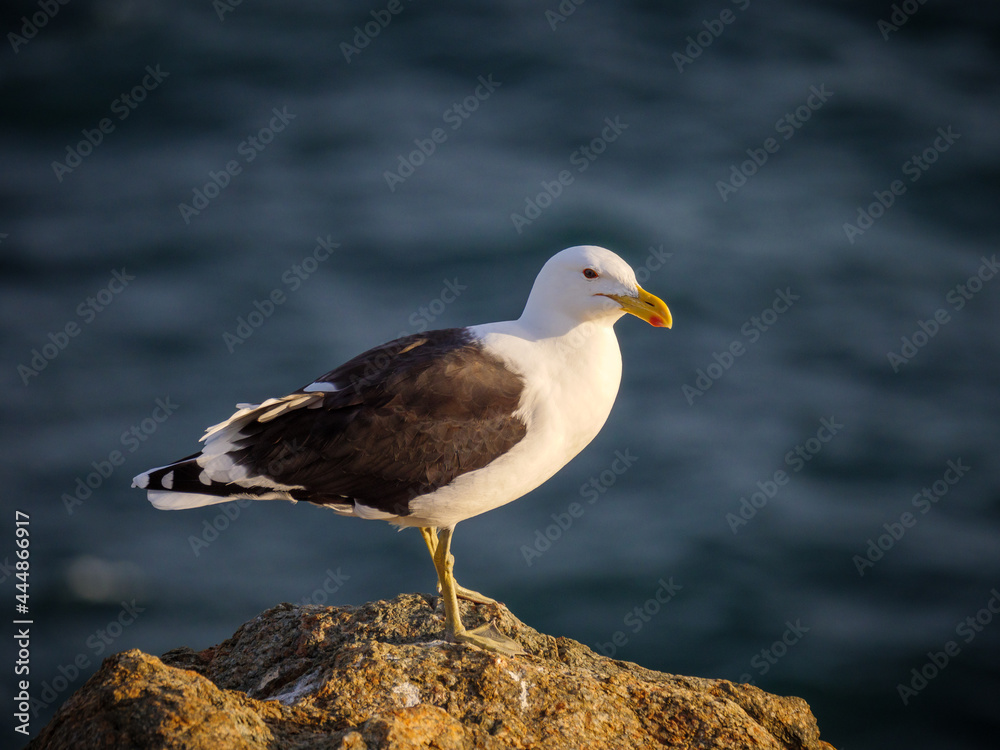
589,283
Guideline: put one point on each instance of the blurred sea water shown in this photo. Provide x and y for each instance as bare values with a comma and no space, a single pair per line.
806,462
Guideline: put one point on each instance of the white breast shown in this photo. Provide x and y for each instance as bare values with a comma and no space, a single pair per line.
571,384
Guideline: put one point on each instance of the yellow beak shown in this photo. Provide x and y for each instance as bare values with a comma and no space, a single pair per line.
647,306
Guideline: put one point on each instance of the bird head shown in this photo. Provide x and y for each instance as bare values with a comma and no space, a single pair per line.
590,283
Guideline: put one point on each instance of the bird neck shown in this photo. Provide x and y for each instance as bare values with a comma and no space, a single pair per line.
554,323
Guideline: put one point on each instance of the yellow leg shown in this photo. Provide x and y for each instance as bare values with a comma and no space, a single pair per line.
430,536
485,636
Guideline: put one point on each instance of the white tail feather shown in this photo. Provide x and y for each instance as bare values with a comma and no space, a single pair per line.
164,500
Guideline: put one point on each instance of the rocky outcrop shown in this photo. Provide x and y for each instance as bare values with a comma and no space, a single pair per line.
377,676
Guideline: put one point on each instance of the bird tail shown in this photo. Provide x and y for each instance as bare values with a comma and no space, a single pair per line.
186,484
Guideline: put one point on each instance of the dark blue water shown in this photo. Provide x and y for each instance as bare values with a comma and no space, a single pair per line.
763,454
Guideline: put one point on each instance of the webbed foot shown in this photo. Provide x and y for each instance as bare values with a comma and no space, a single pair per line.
489,638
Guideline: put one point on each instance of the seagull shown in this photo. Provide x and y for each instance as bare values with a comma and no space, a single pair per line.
436,427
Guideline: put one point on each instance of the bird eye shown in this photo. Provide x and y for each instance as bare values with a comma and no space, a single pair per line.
590,273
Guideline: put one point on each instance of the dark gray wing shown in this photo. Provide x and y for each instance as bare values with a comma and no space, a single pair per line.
405,419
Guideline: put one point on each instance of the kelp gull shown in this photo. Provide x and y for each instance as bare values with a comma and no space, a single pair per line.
436,427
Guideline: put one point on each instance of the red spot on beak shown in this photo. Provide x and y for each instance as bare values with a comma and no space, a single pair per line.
657,321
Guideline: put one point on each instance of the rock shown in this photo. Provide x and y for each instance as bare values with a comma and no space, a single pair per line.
378,676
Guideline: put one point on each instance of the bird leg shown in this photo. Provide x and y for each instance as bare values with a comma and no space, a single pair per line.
485,636
431,539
